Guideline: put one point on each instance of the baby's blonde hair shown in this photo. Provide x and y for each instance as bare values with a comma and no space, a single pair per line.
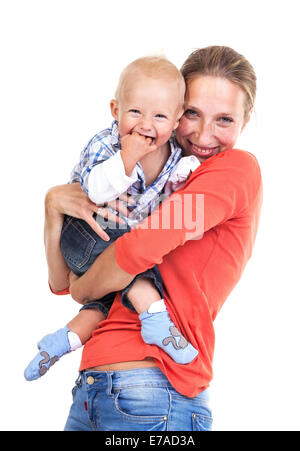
153,67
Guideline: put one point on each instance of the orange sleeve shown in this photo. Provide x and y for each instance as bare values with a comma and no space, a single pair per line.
220,189
59,293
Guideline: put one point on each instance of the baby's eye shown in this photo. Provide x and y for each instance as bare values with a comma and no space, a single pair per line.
134,111
161,116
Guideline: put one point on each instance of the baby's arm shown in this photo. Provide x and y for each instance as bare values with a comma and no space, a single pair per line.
105,175
106,181
134,148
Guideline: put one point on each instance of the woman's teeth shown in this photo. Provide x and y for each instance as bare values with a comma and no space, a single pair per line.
203,151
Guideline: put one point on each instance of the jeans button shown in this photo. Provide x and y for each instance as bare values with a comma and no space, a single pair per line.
90,380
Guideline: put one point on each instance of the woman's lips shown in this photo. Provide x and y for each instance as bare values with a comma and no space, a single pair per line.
203,151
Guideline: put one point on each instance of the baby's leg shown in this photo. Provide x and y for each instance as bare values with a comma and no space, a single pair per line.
80,247
157,327
71,337
84,324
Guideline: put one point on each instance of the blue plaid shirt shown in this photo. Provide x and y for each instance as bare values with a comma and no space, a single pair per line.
103,146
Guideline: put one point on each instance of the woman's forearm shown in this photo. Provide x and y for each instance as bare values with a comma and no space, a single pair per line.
103,277
58,271
69,199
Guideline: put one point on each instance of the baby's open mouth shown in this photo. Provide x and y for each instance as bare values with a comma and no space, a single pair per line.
153,138
147,136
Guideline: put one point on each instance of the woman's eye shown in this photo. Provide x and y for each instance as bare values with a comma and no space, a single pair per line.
225,120
190,113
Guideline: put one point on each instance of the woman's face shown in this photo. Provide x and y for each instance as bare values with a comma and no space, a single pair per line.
213,117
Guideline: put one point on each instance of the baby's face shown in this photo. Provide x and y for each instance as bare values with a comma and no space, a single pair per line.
150,107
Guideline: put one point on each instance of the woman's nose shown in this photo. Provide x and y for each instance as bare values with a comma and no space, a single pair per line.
205,133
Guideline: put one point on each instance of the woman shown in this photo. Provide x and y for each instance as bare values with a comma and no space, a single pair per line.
124,383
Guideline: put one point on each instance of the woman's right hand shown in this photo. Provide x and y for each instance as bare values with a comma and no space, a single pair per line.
121,205
69,199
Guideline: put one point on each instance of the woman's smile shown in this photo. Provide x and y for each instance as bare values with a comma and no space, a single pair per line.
203,151
213,117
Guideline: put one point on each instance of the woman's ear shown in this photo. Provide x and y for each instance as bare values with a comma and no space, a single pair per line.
114,108
247,118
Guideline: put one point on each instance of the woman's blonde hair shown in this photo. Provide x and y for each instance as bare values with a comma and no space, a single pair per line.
221,61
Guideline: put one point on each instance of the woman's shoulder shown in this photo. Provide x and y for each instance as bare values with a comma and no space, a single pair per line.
246,162
234,159
243,156
234,170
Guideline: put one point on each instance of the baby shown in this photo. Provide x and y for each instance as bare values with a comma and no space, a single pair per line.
140,156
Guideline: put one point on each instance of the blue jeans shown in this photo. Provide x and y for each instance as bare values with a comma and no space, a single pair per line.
80,246
134,400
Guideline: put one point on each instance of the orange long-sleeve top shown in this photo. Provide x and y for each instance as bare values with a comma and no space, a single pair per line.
222,199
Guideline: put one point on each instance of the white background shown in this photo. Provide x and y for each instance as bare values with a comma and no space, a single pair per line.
60,61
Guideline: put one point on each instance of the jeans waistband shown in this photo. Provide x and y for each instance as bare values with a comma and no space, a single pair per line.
111,381
126,378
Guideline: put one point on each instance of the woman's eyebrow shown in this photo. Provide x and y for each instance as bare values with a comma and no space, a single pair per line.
221,113
191,107
226,114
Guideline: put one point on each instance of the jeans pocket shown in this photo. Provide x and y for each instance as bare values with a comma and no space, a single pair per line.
76,243
74,391
201,422
142,408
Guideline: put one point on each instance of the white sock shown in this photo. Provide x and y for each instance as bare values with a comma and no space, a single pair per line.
157,306
74,341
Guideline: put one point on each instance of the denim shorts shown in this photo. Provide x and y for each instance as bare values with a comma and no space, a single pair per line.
80,246
135,400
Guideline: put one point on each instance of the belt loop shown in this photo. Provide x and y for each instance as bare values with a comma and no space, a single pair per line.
78,380
109,384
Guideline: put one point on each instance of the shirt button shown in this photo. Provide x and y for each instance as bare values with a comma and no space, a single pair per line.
90,380
165,418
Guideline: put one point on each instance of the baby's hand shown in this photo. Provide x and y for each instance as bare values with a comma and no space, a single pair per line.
134,148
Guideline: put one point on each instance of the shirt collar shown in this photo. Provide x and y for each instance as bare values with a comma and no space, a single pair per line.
115,136
176,150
